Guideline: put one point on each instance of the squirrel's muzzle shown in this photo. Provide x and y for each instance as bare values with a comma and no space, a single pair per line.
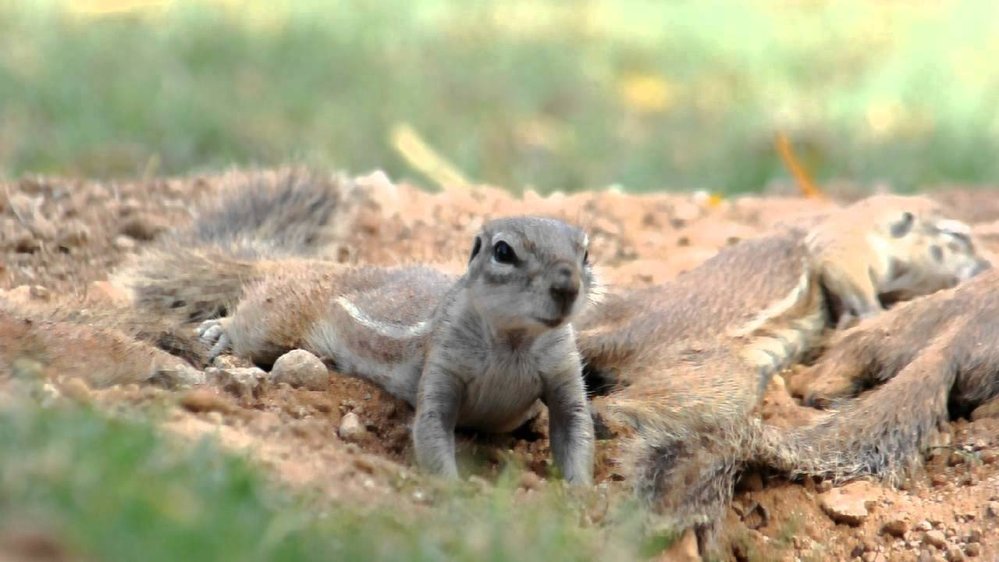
981,266
564,287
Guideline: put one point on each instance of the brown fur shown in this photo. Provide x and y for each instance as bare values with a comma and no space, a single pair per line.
630,328
931,358
876,246
698,352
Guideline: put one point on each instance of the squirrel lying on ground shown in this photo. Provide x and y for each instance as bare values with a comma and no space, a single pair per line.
689,360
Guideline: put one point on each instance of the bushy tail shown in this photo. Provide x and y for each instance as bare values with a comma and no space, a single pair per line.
291,212
201,272
882,433
189,283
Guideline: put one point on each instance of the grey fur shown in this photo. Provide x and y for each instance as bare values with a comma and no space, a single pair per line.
478,351
200,272
290,213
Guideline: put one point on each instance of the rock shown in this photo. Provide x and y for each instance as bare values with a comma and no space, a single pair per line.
351,428
203,400
939,480
124,243
849,503
301,369
992,509
896,527
935,538
242,382
973,549
142,227
230,362
77,390
178,376
529,480
954,554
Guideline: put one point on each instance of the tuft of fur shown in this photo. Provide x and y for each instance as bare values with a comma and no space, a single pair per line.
256,223
285,212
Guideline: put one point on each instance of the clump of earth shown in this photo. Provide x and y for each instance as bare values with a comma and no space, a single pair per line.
350,440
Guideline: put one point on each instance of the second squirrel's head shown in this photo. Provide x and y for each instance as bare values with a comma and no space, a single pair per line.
529,273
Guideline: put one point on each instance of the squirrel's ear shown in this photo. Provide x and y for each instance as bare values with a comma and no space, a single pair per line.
902,226
475,248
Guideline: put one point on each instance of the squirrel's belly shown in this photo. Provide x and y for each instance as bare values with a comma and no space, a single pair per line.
500,406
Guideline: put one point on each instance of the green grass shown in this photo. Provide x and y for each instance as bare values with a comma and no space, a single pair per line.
515,93
114,489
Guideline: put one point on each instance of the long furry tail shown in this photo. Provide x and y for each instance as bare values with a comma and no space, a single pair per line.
882,433
200,272
935,356
290,212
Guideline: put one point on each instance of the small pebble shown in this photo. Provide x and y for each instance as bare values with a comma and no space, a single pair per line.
935,538
203,400
351,428
301,369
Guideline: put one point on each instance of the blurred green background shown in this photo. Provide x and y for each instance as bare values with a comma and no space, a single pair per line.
548,94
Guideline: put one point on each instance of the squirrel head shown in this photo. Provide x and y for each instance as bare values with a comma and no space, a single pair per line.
529,273
927,251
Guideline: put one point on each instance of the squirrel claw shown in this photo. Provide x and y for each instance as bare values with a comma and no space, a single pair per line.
212,333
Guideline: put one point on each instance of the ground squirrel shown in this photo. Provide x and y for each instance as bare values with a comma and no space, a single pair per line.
696,354
885,247
478,351
933,358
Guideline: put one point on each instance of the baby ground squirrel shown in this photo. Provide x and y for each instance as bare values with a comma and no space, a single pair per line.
687,362
478,351
928,360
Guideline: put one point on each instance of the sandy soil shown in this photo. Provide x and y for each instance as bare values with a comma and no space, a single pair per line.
61,236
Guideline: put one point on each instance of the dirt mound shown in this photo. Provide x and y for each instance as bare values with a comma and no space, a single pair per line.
62,236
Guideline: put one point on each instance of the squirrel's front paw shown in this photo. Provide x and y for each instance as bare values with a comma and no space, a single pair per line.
213,333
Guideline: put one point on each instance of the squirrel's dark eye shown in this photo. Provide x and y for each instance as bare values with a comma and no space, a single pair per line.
475,248
503,253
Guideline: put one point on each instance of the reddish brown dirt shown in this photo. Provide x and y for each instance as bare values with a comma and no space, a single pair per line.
64,235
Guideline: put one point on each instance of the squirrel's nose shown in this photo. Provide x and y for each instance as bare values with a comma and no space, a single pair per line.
981,266
565,287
